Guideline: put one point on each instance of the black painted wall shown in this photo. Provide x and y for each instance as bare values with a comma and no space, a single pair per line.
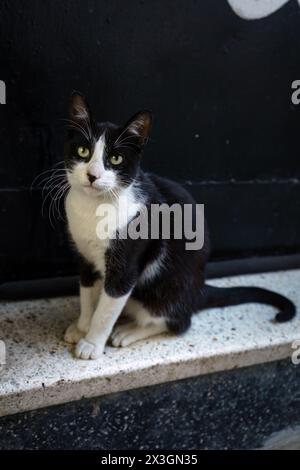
220,90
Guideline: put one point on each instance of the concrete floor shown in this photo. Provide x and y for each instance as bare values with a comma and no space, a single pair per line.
42,371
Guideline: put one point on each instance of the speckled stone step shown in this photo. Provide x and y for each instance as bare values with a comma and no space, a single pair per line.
41,371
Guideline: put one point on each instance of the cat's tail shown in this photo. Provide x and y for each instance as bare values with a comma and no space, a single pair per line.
223,296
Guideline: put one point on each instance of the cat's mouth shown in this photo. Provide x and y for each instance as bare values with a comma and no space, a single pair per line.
91,189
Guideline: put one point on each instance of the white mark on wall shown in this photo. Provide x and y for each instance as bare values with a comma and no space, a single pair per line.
256,9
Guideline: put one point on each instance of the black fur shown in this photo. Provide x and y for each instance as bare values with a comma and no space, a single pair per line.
87,273
179,290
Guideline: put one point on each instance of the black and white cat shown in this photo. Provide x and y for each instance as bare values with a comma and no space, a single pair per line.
158,284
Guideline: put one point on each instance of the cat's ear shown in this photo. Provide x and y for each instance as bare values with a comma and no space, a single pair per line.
79,109
139,126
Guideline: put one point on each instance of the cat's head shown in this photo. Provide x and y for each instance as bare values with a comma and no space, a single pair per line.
103,158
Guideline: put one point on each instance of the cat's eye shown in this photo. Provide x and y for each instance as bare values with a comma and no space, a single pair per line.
83,152
116,159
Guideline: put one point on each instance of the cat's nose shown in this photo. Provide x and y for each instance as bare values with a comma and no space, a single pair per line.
91,178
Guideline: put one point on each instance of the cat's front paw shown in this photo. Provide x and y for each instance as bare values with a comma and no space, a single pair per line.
73,334
86,350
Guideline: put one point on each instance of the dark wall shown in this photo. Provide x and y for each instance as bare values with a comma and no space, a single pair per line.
220,90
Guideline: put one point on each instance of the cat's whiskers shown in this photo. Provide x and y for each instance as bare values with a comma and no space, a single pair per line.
86,120
54,174
54,205
47,171
60,193
50,182
124,130
129,137
85,131
126,143
114,192
81,130
56,195
47,182
110,191
54,188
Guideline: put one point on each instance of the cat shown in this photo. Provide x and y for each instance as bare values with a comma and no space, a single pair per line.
156,284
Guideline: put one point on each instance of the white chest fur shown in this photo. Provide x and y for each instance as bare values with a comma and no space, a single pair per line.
84,216
81,213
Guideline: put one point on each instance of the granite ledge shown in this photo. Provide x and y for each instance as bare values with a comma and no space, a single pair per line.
41,370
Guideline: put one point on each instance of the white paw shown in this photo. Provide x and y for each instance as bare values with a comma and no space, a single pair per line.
73,334
124,335
86,350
